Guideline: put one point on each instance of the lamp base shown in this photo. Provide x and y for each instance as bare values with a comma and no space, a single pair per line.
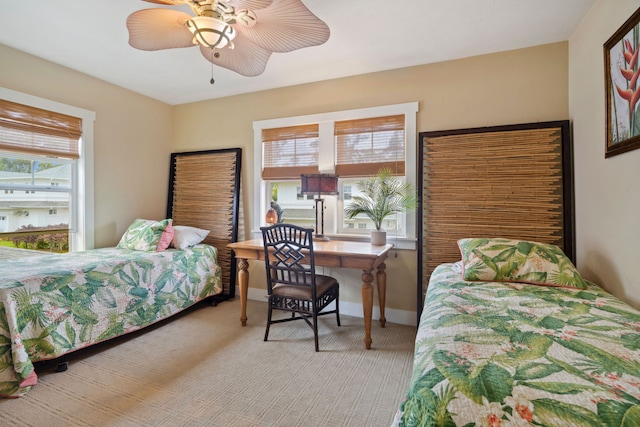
321,238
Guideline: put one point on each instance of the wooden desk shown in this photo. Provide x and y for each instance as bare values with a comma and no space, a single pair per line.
339,254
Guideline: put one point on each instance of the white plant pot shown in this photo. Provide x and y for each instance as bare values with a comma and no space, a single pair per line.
378,237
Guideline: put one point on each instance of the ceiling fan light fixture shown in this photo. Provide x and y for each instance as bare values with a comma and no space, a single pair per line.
249,30
211,32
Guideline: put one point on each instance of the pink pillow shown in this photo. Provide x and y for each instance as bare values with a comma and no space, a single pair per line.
166,238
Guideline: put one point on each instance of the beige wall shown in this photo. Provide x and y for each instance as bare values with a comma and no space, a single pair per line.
607,190
522,86
132,139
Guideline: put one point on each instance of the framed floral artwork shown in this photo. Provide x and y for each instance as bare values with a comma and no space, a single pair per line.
622,88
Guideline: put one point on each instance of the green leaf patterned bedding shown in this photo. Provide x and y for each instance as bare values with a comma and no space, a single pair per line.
53,304
511,354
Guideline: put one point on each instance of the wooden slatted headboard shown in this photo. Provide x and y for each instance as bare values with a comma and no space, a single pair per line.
204,192
511,181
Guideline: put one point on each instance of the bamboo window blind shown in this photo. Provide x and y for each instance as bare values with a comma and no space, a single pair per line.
204,192
32,130
509,181
364,146
290,151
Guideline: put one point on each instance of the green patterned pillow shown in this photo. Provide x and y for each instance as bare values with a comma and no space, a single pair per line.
143,235
505,260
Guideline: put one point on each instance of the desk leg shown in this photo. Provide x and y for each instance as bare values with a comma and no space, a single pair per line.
381,279
243,283
367,305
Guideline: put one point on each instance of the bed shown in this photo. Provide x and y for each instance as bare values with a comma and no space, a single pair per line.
51,305
511,335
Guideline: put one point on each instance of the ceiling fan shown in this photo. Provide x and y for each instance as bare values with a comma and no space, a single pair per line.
239,35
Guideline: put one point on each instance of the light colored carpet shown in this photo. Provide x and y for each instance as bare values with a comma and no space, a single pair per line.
203,369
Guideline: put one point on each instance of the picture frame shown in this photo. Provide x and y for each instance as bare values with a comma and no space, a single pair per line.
622,88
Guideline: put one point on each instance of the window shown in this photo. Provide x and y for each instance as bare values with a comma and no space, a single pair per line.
353,144
44,149
300,196
289,151
346,192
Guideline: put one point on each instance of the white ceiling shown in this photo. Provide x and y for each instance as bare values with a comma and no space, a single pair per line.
90,36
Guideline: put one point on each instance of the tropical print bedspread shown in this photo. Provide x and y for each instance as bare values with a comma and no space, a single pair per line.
53,304
509,354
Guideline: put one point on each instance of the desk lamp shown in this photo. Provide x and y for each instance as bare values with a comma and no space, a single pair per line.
323,183
272,216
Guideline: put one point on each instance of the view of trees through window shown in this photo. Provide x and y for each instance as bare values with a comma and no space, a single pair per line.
23,166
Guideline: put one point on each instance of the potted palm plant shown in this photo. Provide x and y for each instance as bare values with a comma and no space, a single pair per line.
380,196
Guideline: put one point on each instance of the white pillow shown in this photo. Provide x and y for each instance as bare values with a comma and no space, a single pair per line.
184,236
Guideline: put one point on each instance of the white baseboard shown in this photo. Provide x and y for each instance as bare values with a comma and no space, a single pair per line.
402,317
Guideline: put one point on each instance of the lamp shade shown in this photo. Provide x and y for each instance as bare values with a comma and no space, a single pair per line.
271,217
323,183
211,32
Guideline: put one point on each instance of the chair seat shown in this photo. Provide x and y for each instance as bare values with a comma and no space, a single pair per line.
323,285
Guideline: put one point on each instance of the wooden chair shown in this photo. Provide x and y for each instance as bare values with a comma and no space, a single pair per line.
292,284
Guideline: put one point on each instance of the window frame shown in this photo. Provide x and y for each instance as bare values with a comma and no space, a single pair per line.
81,232
326,164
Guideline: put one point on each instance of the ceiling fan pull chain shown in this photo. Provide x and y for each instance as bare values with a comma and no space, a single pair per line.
212,81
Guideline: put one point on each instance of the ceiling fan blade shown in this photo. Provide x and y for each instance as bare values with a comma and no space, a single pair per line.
169,2
249,4
246,58
155,29
286,25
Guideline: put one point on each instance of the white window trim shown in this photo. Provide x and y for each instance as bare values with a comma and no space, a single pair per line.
82,236
326,160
